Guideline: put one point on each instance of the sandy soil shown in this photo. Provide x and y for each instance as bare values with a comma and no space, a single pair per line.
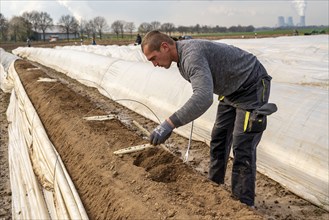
152,184
5,190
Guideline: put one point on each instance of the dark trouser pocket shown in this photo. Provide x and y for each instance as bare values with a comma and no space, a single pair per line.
254,122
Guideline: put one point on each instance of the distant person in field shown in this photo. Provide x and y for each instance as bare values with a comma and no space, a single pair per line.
138,40
243,88
28,42
93,41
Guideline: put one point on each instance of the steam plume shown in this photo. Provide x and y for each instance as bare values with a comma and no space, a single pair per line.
75,13
300,6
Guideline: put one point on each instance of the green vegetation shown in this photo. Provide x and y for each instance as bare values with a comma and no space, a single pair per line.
302,31
264,33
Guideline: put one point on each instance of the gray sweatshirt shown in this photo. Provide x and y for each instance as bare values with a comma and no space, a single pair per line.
210,67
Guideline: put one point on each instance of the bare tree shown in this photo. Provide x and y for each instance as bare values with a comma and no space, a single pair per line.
233,29
250,28
117,28
100,25
182,29
91,28
220,29
130,27
168,28
68,24
122,28
144,27
155,25
83,26
35,20
4,25
17,28
28,20
205,29
45,22
33,17
196,28
75,28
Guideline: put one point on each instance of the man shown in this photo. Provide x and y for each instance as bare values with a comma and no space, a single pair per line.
28,42
138,40
243,87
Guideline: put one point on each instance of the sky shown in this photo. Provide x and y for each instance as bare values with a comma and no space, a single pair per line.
259,13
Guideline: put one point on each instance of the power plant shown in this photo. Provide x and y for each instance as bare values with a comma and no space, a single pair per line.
300,6
290,23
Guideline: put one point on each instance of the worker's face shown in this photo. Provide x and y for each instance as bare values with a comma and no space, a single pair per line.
159,58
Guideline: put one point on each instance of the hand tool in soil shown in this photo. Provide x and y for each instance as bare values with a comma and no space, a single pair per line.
189,145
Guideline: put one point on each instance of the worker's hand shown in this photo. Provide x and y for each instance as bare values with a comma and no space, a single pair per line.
161,133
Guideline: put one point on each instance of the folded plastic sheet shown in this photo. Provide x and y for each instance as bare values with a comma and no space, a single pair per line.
294,148
6,59
41,187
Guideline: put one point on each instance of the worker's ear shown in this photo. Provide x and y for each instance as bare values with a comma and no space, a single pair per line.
164,46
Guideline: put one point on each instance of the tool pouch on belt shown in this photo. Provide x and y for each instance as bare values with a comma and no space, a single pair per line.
254,123
256,120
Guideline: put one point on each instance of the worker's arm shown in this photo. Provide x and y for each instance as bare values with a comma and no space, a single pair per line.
202,98
199,102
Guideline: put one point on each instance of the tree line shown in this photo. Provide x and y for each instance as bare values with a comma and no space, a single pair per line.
20,28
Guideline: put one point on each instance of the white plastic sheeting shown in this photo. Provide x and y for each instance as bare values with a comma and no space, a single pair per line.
297,60
41,187
131,52
6,59
294,149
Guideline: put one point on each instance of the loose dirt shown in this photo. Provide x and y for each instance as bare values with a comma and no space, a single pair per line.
151,184
5,190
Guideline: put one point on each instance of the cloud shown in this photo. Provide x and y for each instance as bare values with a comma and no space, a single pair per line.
223,13
27,7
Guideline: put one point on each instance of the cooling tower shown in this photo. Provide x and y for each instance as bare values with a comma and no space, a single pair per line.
302,21
281,22
290,22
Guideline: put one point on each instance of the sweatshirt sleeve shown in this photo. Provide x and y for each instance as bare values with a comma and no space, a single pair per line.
202,98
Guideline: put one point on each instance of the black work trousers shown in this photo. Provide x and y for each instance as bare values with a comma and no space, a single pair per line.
229,130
